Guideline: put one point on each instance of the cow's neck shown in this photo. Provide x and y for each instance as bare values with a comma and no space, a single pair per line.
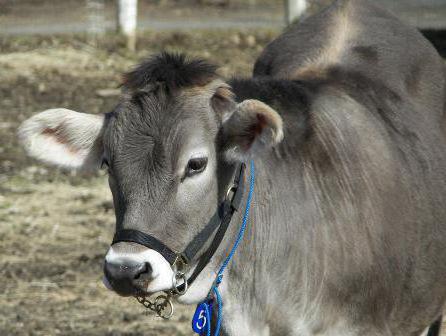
253,276
255,272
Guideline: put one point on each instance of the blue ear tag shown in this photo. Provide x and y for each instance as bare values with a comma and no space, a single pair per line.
200,320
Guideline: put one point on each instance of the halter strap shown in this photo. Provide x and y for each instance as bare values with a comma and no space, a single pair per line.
135,236
221,220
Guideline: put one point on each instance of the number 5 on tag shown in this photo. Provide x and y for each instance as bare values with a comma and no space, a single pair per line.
200,320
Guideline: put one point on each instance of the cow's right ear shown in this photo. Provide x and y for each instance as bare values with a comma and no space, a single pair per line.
64,138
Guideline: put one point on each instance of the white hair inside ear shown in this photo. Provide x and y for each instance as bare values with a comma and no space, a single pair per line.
64,138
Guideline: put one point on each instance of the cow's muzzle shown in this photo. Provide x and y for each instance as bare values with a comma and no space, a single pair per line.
134,270
128,278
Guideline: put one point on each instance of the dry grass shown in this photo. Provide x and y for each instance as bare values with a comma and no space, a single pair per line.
54,237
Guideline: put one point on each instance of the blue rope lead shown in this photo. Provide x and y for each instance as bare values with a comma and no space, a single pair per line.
219,278
200,322
208,321
242,228
219,311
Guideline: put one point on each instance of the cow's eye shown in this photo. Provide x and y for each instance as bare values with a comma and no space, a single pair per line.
196,166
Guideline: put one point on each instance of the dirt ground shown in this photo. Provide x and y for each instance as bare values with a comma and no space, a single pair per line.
55,227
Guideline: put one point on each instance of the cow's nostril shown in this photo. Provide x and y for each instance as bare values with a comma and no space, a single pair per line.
144,273
128,278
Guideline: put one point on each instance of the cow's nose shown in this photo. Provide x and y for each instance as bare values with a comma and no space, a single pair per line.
128,278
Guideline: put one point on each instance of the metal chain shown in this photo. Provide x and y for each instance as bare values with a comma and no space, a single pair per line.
146,303
162,305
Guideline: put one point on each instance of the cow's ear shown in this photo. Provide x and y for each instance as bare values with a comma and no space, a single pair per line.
64,138
251,128
223,101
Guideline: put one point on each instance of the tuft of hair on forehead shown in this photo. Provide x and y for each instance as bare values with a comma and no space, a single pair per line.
174,71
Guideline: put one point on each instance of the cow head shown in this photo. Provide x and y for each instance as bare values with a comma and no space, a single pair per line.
166,146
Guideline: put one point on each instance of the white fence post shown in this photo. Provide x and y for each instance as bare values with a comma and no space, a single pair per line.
294,9
127,14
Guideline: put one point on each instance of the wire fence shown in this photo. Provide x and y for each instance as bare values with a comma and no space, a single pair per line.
95,17
21,17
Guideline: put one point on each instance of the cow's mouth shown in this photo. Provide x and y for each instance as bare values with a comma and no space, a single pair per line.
137,289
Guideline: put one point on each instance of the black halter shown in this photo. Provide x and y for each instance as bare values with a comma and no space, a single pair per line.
220,220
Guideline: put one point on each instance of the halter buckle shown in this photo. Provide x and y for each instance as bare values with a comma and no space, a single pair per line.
232,189
179,276
180,261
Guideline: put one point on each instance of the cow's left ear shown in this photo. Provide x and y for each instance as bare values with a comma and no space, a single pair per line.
252,128
64,138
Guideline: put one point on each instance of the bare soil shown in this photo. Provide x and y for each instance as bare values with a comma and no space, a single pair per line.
55,226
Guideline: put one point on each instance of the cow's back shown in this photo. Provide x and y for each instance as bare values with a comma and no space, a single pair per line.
359,36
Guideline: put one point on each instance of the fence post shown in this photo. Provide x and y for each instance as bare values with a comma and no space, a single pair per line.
294,9
127,14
